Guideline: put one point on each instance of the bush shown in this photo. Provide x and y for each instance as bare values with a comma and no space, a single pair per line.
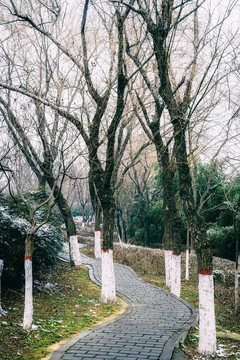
218,276
47,242
222,241
139,236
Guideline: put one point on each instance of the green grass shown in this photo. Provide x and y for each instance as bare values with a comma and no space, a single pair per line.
72,307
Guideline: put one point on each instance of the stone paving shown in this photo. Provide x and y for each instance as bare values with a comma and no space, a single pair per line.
149,330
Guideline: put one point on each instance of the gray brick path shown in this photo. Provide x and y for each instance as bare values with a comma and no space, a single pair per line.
149,330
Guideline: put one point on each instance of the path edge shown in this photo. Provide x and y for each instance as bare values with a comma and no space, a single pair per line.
181,334
57,355
170,345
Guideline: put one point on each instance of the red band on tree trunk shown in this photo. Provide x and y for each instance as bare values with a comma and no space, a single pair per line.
106,250
205,272
28,258
73,235
97,230
176,253
168,249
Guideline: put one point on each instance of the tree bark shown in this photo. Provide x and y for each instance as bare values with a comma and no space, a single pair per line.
75,257
108,293
97,215
118,224
146,230
187,254
28,301
97,232
236,267
207,324
172,222
2,312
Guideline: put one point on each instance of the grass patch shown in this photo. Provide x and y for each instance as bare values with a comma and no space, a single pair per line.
69,304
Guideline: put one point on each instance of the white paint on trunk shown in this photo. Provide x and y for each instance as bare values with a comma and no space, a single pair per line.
187,264
193,252
168,257
97,245
108,277
74,247
83,224
2,312
28,302
207,324
176,274
236,291
120,240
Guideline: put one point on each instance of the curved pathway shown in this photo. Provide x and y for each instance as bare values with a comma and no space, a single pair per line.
149,330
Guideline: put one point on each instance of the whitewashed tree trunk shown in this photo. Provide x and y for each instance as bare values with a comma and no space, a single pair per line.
187,253
2,312
187,264
207,324
176,274
168,257
83,224
236,291
120,240
193,252
97,244
74,248
108,294
28,302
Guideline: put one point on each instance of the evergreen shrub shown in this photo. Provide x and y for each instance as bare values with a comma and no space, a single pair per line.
13,229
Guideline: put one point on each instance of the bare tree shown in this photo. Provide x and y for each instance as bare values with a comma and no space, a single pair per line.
90,124
43,169
35,225
181,93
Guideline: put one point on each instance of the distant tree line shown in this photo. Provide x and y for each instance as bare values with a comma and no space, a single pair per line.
216,195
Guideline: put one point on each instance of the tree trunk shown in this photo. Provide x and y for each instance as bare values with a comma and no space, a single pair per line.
207,325
2,312
97,212
176,254
146,230
168,266
108,276
124,230
176,274
28,302
97,232
75,257
187,255
74,250
172,224
236,291
83,216
236,267
119,229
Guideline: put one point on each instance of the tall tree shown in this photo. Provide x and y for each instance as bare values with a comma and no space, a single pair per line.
181,92
151,110
42,164
96,127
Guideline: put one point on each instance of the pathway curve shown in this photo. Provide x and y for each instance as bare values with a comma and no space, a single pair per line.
149,330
